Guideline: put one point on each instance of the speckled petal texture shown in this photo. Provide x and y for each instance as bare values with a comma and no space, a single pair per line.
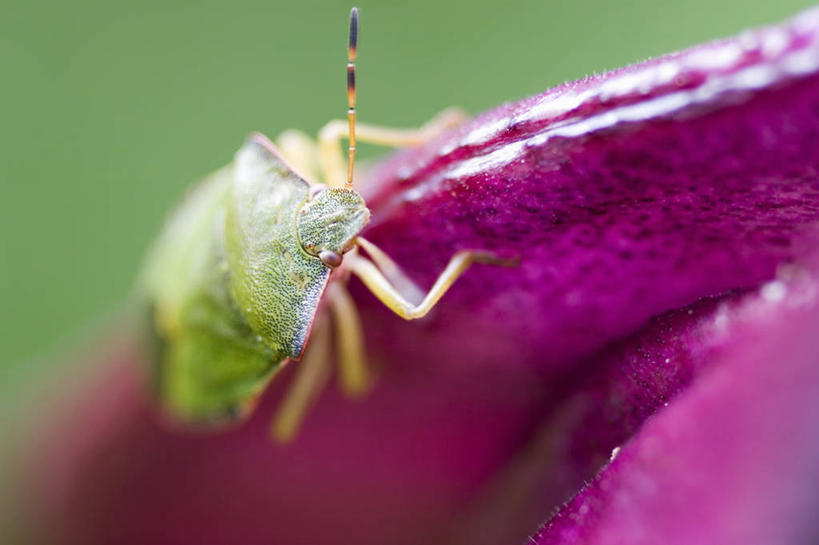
664,215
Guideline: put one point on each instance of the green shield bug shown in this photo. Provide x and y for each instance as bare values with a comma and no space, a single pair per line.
236,278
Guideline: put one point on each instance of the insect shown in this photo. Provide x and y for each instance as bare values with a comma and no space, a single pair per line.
242,272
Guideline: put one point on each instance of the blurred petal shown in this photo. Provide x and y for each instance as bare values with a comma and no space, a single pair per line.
733,459
626,196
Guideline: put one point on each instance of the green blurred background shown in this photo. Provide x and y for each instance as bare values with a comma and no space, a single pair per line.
110,109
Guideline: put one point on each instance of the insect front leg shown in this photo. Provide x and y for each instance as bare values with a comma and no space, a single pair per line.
386,292
331,159
400,281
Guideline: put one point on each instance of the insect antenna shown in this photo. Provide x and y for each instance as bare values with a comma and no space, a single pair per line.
351,52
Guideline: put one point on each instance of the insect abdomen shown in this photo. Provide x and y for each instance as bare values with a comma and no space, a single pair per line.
210,364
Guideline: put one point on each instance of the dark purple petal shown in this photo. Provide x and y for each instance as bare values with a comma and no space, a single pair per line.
629,198
626,195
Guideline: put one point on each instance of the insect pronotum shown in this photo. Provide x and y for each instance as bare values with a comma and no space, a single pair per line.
240,276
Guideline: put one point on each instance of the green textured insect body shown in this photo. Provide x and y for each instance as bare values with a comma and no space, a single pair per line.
239,279
237,276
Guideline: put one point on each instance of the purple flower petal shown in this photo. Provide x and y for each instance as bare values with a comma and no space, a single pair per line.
626,196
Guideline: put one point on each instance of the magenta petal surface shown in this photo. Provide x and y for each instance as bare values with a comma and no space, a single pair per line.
626,195
639,202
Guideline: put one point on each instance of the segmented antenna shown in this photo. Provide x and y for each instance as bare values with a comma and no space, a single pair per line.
351,52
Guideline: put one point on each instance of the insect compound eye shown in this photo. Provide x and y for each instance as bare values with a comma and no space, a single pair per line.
331,259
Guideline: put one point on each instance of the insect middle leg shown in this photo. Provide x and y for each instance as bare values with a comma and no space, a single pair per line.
314,370
332,160
311,377
354,377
